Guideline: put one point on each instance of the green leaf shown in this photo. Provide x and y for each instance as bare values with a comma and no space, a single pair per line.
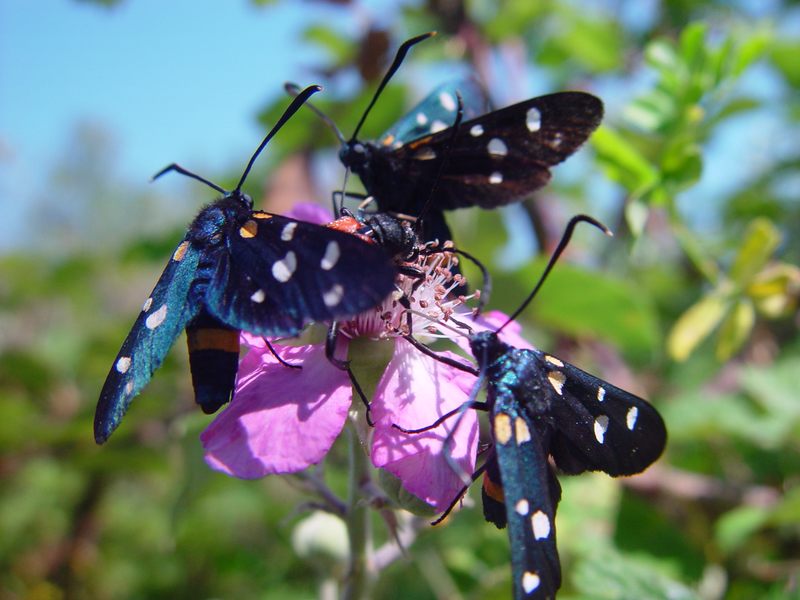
624,163
613,576
734,528
735,329
694,325
340,48
783,54
760,240
585,303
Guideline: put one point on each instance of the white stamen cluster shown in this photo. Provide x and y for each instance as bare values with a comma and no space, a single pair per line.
430,295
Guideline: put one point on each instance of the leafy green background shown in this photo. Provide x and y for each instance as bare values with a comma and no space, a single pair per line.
693,304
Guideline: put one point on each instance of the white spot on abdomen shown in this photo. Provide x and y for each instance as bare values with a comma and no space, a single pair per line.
288,231
283,269
630,418
497,147
600,428
540,523
331,257
258,296
156,318
333,296
533,120
123,364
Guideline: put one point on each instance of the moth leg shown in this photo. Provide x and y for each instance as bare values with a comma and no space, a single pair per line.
330,348
460,495
278,358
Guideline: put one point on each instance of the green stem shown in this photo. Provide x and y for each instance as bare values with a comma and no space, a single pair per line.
358,580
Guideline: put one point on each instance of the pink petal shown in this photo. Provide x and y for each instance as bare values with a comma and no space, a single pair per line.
281,420
414,391
310,212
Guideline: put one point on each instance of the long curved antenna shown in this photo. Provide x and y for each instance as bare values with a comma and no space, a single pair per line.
179,169
573,222
298,101
443,162
398,60
294,90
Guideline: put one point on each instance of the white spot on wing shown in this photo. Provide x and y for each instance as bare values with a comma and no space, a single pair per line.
553,360
333,296
421,119
123,364
283,269
447,102
156,318
496,177
557,379
497,147
533,120
601,393
530,581
258,296
147,304
522,507
288,231
630,418
540,523
438,126
331,257
557,139
129,388
476,130
600,428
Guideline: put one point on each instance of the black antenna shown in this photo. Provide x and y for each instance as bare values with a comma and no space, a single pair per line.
443,162
179,169
301,98
573,222
293,90
398,60
298,101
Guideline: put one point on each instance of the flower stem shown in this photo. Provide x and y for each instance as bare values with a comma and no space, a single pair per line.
358,580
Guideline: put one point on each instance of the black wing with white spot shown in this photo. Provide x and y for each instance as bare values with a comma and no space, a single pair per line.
278,274
531,495
598,426
502,156
170,306
437,112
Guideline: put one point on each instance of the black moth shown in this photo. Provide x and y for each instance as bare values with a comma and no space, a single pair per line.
493,159
543,408
241,269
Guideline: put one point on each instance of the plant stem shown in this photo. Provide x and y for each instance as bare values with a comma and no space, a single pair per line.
358,580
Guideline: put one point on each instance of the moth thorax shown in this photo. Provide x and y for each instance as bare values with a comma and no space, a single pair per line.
393,234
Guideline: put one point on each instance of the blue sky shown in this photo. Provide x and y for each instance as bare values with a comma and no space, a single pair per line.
171,81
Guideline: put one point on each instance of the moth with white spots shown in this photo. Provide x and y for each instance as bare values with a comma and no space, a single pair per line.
492,159
241,269
543,407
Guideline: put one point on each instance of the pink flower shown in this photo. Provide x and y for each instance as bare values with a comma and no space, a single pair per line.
283,420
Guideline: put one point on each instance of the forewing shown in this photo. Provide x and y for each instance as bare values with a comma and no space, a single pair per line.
165,313
437,111
502,156
278,274
598,426
531,496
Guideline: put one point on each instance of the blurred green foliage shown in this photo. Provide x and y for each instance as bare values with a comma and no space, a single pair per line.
693,304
